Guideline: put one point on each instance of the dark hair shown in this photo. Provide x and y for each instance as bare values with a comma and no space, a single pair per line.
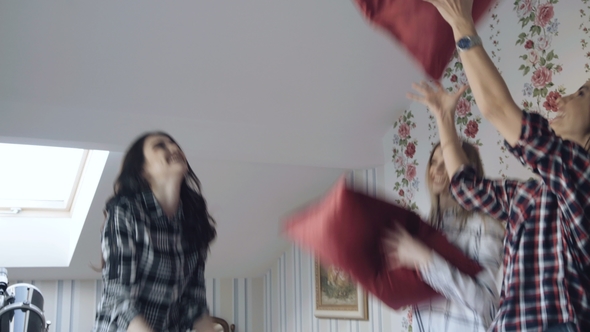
198,225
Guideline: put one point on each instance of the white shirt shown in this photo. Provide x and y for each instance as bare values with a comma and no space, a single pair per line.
469,304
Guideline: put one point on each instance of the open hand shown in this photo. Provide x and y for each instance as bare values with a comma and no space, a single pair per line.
454,11
441,103
404,250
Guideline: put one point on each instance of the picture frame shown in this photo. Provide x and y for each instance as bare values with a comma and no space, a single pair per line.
337,296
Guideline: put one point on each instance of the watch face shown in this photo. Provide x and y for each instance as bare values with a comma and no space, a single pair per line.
464,43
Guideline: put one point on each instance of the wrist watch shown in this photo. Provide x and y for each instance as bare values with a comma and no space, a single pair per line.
468,42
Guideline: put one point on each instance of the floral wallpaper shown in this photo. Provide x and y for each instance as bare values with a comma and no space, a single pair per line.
467,122
540,59
542,49
494,47
407,321
405,163
584,27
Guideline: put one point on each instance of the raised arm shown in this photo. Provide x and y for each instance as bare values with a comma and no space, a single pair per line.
489,89
492,197
119,271
442,105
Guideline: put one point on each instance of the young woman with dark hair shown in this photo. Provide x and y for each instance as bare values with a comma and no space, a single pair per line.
155,242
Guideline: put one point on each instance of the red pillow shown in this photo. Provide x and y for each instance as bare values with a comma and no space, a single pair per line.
345,229
420,28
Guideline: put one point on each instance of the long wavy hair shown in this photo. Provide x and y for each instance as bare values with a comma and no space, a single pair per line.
462,214
198,225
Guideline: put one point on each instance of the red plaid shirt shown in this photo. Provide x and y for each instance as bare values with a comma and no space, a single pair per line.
547,245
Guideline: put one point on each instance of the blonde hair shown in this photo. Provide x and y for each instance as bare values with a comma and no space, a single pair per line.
462,215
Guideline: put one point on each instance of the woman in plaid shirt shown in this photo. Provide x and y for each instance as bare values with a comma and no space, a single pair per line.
154,243
546,284
468,304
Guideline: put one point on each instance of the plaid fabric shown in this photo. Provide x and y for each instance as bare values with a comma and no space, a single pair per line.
468,304
547,260
149,269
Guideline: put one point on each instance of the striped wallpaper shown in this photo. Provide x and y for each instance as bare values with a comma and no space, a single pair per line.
289,288
70,305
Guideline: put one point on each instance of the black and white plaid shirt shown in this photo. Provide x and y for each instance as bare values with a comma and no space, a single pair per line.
149,270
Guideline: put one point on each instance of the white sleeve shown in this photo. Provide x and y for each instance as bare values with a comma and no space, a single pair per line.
481,293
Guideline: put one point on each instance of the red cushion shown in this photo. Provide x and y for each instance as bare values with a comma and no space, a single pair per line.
345,229
418,26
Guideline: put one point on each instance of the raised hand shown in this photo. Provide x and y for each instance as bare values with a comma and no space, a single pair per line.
441,103
454,11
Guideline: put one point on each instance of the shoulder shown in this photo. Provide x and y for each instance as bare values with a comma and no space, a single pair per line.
525,189
536,128
122,202
122,209
533,123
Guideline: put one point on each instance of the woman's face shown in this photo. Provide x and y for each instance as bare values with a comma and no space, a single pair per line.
164,160
439,179
573,116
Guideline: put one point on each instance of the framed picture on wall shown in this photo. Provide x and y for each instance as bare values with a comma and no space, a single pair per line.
337,296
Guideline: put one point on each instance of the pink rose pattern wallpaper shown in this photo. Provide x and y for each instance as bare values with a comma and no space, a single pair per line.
528,56
467,122
407,321
540,62
584,26
405,163
494,54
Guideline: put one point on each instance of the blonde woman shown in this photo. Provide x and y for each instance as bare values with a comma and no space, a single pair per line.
467,304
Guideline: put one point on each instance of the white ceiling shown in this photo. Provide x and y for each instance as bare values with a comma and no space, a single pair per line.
271,101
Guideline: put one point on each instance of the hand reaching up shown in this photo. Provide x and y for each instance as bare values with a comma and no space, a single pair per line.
441,103
454,11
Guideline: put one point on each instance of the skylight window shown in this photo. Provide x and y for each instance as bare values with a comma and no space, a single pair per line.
39,177
45,199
